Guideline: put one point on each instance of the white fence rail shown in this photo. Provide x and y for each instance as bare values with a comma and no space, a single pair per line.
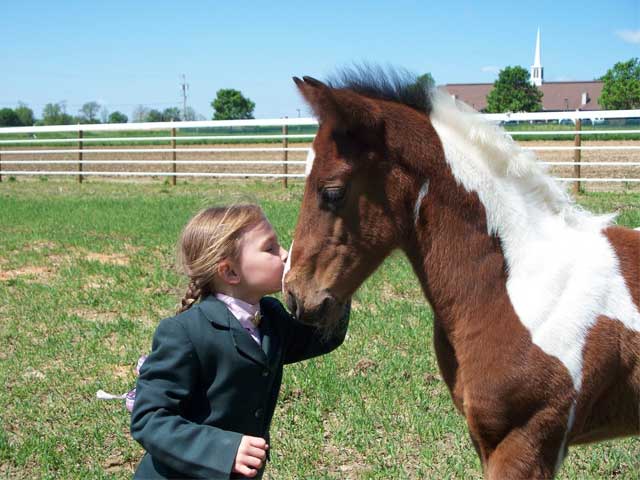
20,147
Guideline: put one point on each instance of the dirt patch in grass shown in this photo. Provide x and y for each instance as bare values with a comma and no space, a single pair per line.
392,292
97,316
94,282
108,258
113,258
33,374
58,260
116,463
41,245
363,367
37,274
122,371
343,462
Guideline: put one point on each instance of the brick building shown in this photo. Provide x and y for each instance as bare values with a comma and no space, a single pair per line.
557,96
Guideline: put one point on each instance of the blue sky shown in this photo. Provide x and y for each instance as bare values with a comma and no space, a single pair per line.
126,53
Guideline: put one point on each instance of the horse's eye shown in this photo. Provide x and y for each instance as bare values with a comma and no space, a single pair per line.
332,196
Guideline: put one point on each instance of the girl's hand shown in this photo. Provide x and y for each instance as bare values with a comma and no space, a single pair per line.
251,455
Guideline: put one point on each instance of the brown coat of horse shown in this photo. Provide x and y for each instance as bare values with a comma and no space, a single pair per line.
535,354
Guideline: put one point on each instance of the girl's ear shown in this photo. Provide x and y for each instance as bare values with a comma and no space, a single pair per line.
227,273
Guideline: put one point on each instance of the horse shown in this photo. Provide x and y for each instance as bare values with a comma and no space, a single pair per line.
536,301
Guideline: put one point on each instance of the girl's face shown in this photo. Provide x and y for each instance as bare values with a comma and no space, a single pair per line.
261,262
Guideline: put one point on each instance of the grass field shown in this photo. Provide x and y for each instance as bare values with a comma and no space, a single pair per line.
86,272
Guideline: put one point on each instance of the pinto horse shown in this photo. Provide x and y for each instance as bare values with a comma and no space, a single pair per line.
536,302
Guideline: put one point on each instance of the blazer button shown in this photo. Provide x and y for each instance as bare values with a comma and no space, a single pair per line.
258,413
265,373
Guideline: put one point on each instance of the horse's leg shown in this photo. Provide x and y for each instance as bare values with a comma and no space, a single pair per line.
533,451
449,370
448,365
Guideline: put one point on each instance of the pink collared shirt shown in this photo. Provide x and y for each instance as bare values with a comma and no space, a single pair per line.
244,312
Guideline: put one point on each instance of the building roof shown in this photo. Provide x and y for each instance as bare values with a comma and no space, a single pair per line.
557,96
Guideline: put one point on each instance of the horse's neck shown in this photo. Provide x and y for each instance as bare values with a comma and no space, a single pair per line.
460,266
490,247
474,223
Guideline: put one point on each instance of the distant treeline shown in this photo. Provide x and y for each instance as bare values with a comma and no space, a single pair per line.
91,112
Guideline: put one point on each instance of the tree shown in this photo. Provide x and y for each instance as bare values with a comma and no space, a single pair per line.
25,114
426,81
140,113
171,115
89,112
621,89
154,116
9,118
230,104
117,117
55,114
104,115
513,92
190,114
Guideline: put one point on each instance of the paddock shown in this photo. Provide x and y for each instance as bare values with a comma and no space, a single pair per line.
87,272
90,216
591,151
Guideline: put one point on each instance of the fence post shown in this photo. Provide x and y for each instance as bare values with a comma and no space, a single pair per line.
173,156
285,156
0,165
80,156
577,141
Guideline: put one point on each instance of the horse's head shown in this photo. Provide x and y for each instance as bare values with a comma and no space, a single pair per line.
353,211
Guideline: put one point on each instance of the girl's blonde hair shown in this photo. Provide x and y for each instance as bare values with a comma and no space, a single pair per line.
211,236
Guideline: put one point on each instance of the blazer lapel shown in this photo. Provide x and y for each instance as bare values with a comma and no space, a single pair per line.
246,345
218,314
270,339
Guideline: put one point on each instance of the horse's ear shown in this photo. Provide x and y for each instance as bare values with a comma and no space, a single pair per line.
318,96
346,109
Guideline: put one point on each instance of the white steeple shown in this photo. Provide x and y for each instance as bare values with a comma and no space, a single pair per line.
537,72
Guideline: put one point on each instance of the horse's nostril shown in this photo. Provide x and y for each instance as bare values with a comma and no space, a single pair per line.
291,303
324,306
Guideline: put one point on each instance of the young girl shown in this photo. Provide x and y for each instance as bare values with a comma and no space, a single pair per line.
206,393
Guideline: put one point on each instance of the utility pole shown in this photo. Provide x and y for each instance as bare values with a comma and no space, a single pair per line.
185,87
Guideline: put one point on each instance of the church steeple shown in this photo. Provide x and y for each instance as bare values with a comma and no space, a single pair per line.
537,72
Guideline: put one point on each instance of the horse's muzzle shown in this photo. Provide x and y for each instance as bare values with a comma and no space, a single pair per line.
321,310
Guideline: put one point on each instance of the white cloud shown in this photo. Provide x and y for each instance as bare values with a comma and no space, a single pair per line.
490,69
629,36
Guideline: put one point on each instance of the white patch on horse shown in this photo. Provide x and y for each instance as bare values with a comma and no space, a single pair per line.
287,265
423,193
563,271
311,155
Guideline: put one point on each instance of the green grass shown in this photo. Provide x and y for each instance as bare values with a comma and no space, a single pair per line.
86,272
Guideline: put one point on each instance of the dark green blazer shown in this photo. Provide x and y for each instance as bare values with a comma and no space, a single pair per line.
206,383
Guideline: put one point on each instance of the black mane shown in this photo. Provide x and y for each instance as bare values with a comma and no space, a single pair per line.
394,85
